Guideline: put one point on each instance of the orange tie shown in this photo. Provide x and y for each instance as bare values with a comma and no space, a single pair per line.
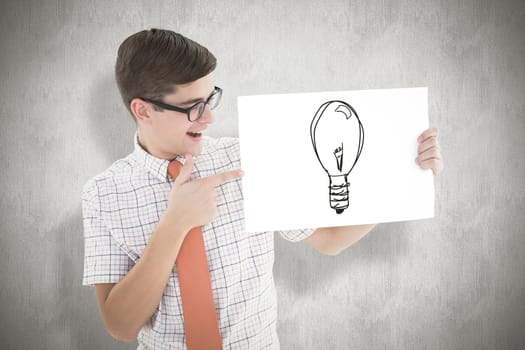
200,320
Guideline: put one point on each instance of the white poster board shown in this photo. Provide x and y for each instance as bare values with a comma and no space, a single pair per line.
290,184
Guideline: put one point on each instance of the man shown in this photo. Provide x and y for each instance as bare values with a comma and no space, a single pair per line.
136,215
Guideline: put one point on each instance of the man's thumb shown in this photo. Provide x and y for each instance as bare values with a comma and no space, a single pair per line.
185,171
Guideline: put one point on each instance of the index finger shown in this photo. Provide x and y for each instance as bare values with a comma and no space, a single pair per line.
427,133
219,179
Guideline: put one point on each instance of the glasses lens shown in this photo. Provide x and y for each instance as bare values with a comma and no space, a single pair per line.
196,111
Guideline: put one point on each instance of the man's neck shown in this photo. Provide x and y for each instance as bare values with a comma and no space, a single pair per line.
146,146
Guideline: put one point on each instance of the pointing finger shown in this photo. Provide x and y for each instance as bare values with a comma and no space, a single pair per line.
219,179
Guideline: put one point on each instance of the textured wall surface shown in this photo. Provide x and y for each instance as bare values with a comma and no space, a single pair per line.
452,282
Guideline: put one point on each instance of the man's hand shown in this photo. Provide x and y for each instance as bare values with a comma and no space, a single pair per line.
193,203
429,153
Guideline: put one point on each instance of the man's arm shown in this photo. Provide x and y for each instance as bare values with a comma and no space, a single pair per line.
333,240
127,305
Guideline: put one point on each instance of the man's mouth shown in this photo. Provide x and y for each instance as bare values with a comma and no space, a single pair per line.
194,136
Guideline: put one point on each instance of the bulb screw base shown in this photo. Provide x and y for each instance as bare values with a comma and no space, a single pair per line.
338,190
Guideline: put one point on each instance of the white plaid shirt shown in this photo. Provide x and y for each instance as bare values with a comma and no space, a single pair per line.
121,208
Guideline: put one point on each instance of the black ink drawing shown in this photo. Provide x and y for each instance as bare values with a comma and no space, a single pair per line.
337,136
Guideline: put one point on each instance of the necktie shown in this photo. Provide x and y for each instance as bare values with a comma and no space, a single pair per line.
200,320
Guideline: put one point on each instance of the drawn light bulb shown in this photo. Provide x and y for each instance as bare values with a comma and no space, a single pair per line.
337,136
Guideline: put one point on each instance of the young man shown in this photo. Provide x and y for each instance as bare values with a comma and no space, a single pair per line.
136,216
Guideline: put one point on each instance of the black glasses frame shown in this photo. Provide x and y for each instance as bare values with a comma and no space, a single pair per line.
217,90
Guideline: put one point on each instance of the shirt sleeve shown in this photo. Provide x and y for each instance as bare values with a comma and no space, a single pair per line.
296,235
104,261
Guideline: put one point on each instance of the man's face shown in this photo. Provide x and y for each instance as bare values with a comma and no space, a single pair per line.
170,133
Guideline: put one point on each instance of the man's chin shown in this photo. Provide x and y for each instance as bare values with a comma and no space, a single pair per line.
195,149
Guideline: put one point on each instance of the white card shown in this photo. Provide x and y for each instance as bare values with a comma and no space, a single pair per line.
362,169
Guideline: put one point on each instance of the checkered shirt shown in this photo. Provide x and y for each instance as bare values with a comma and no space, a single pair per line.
121,207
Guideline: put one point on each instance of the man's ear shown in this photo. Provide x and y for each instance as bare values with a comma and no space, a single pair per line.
140,110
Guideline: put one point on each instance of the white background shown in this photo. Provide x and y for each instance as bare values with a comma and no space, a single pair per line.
285,186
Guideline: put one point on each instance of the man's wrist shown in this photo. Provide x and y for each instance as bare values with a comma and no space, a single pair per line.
172,227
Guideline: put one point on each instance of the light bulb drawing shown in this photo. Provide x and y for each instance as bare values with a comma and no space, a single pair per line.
337,137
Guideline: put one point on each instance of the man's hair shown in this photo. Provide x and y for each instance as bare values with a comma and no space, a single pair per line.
151,62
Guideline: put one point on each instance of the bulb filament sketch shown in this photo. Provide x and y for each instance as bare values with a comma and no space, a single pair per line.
337,137
338,153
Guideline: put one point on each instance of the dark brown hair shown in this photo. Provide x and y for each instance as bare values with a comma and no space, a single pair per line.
151,62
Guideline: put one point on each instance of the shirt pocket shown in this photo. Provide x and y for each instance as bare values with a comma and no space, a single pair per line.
132,230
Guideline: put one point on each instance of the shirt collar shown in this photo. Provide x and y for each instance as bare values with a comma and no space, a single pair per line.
158,167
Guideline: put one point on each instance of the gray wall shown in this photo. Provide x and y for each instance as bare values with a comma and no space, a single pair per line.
452,282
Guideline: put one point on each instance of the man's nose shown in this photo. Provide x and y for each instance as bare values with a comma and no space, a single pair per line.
207,116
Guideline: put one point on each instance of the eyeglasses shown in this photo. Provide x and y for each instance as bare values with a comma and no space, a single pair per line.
194,112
